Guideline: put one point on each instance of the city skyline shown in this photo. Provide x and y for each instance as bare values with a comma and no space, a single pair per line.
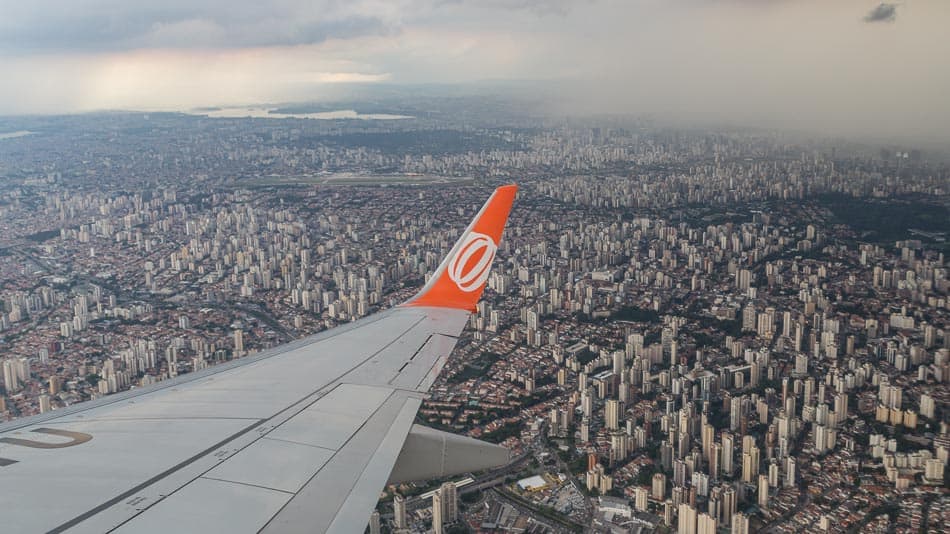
684,329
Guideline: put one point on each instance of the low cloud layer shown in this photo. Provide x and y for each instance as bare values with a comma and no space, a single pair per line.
111,25
114,25
809,64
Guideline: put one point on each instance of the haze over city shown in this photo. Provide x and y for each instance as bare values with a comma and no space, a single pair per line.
843,67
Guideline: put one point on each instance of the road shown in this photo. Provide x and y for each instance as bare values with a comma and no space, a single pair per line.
487,480
563,525
264,316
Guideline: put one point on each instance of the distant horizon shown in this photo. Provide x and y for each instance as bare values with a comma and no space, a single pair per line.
840,68
363,95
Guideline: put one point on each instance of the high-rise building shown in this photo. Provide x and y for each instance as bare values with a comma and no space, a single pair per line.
933,471
238,342
612,414
824,438
763,491
748,468
736,413
659,486
438,520
679,496
714,505
748,317
708,436
641,499
841,408
927,406
740,524
374,527
618,446
700,483
706,524
728,445
450,504
10,380
618,360
668,512
790,472
743,279
399,513
715,461
730,503
686,521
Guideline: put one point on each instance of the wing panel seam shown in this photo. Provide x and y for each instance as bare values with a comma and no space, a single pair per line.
245,484
330,459
128,493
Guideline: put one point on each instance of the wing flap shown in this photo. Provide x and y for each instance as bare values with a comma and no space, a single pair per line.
273,463
331,421
210,506
429,453
348,486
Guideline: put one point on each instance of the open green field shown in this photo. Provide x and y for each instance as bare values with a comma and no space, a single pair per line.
888,220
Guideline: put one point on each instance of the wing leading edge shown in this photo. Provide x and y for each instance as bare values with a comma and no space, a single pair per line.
301,438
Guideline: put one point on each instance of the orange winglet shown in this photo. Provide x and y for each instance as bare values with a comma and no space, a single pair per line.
460,279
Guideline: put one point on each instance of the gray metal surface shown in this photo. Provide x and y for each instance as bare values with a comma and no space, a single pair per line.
301,438
429,453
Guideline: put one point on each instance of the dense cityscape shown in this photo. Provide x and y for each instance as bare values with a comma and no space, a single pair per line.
690,330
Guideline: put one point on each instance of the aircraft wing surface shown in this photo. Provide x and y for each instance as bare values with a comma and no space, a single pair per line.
301,438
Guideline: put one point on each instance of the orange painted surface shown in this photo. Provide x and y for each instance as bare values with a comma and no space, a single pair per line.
461,283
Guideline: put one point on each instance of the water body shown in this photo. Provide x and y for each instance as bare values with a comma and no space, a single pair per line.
265,113
14,135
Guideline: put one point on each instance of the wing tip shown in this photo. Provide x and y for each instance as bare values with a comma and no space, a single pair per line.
461,277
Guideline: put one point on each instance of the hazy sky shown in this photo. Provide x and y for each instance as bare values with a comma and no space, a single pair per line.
841,66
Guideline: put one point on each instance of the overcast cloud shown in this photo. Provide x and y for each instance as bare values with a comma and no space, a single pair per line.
812,64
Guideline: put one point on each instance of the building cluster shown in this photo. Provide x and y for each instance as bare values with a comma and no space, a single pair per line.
680,330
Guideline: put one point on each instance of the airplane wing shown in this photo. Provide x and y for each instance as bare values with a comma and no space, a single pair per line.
301,438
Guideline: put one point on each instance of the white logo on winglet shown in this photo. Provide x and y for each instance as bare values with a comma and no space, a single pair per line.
475,244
